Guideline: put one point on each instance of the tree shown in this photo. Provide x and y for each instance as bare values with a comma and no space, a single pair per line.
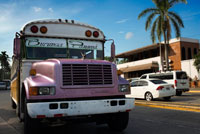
197,61
121,61
107,58
161,26
4,62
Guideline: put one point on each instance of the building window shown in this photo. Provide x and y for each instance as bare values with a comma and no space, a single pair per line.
183,57
195,51
189,53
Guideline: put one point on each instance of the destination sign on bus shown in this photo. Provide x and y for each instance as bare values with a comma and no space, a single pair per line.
85,45
46,43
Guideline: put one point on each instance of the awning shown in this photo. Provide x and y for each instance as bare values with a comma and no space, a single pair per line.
139,67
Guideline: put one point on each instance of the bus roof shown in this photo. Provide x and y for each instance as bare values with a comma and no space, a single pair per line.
62,29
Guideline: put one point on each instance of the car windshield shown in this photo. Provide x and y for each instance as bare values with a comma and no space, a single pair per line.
44,48
158,82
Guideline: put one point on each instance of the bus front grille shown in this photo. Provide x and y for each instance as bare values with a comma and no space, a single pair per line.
86,74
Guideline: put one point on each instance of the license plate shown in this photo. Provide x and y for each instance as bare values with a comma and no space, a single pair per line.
167,88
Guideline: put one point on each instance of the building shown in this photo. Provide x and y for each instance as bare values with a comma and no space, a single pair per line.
147,59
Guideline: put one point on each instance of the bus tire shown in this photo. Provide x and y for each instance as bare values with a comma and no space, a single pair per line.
118,121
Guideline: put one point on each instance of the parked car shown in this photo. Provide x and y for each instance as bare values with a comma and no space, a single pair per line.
178,78
150,89
3,85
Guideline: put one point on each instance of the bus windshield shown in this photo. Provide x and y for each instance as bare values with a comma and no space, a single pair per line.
44,48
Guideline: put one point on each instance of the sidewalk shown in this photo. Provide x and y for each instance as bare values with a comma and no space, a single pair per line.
198,88
194,90
5,128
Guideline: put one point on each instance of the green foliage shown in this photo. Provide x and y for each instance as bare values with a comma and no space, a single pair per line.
5,66
121,61
163,19
197,61
107,58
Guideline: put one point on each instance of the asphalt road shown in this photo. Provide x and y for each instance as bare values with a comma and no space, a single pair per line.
142,120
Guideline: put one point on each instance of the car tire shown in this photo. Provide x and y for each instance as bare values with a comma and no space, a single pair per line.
167,98
13,105
118,121
178,93
148,96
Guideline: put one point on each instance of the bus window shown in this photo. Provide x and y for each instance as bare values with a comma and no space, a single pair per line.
45,53
43,48
79,49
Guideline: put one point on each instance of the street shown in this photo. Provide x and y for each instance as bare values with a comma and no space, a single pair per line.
142,120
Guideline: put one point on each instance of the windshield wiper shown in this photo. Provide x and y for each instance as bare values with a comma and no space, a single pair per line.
85,54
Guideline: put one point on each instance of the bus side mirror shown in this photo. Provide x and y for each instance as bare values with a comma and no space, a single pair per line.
17,47
112,57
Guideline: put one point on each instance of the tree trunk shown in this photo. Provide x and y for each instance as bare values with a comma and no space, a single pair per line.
166,53
161,61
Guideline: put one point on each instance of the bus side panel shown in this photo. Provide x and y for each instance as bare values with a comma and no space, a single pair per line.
15,81
15,89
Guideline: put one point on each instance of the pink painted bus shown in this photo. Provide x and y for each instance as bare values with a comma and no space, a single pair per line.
59,73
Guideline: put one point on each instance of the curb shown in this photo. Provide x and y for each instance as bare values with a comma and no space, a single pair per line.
171,106
194,91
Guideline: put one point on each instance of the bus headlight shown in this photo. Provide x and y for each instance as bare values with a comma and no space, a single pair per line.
34,91
46,91
124,88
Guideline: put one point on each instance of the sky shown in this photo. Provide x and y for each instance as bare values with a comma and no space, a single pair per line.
116,18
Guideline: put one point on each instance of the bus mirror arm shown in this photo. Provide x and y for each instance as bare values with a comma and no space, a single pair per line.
112,55
17,47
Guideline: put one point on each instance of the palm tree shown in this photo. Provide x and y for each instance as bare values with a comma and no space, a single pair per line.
197,61
4,62
161,26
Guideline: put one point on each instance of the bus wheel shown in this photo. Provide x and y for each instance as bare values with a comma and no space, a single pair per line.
118,121
13,105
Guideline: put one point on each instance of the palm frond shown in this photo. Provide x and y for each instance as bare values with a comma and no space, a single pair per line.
146,11
157,3
149,20
173,2
159,29
177,18
176,27
153,29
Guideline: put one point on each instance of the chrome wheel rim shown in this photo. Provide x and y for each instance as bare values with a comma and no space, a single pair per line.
148,97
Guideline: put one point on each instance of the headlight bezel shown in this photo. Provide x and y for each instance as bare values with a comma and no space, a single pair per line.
39,91
50,90
124,88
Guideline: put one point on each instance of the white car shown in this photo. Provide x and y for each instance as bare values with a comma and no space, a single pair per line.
178,78
151,89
